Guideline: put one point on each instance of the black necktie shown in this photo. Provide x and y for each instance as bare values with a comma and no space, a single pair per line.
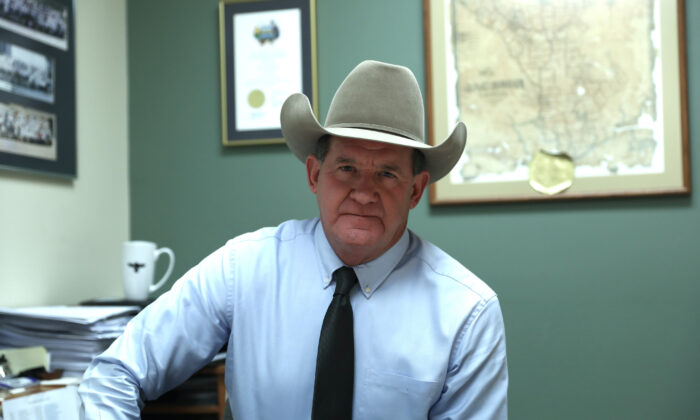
335,362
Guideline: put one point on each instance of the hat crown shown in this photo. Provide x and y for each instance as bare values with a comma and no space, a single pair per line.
379,96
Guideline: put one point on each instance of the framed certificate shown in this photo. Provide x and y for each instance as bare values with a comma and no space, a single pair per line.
561,100
268,52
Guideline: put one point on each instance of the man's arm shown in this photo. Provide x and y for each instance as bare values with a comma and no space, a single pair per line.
477,378
162,346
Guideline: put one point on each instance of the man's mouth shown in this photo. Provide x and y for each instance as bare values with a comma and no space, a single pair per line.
359,215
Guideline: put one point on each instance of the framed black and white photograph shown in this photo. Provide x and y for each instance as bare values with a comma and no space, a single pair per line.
27,132
26,73
268,52
37,87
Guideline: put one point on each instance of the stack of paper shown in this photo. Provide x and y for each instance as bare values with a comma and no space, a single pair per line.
73,335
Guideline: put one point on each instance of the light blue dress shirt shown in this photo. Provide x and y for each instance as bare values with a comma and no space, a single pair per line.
429,335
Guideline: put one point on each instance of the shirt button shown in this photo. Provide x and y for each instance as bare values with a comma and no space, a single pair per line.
367,289
327,280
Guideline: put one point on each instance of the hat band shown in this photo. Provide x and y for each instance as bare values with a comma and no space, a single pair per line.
378,127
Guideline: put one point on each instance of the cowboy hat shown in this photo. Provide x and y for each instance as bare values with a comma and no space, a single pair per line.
377,102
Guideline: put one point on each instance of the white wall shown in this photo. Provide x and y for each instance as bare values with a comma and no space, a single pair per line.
60,241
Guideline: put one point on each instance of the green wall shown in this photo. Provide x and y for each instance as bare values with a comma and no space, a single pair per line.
600,297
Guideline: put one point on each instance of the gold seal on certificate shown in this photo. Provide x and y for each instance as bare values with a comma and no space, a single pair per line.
551,173
256,98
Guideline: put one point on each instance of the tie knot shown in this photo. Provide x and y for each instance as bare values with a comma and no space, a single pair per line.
344,278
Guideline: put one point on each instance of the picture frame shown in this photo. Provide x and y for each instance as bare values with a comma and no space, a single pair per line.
268,52
37,88
596,107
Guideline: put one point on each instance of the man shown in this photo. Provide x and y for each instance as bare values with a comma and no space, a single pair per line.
428,335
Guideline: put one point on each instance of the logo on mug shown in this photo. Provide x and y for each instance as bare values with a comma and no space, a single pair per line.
136,266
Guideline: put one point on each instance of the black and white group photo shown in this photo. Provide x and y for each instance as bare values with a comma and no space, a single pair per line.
27,132
27,73
42,20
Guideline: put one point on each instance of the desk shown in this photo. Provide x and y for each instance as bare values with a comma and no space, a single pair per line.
203,395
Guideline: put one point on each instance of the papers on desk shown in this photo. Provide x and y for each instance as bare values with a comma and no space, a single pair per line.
62,403
73,335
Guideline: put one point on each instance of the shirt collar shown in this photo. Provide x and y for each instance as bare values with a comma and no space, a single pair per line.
370,275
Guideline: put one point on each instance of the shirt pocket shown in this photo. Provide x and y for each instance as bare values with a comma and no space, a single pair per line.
386,395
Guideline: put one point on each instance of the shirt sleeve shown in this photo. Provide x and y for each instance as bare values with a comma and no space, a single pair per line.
476,386
163,345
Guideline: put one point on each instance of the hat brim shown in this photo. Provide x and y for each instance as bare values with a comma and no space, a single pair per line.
301,131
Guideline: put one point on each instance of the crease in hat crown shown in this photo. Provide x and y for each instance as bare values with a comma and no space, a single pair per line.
379,96
378,102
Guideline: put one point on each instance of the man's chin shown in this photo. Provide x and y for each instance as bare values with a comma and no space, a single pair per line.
359,236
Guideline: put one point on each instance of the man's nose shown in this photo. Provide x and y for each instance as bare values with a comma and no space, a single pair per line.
364,190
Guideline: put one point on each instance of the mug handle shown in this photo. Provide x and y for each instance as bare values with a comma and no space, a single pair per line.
152,288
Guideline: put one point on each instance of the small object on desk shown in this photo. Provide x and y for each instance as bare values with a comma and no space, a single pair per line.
18,360
18,382
5,371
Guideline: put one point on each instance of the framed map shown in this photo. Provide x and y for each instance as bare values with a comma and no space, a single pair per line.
561,100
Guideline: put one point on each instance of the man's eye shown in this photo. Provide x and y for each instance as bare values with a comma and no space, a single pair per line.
347,168
388,174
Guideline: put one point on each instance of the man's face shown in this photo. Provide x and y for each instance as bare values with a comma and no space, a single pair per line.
364,191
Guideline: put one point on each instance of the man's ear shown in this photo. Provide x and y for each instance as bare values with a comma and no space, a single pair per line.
420,181
313,169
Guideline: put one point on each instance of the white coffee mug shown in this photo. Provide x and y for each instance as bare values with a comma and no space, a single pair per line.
138,267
